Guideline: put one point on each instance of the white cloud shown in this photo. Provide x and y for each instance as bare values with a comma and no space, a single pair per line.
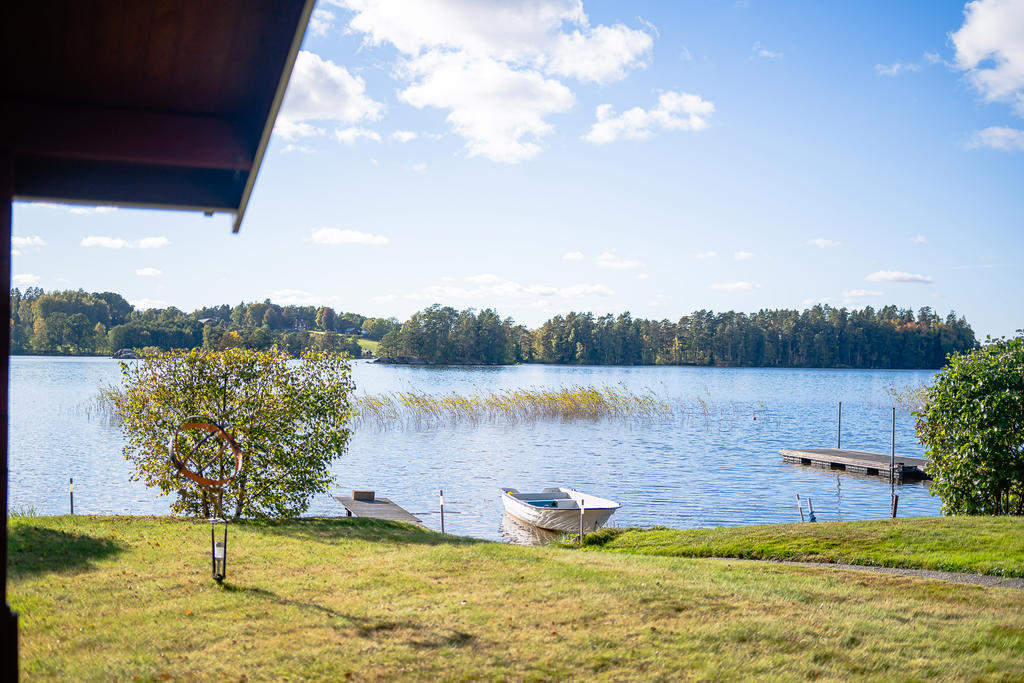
499,110
918,239
25,279
897,276
602,54
487,286
820,300
642,276
419,168
336,236
551,35
297,297
30,241
761,51
91,210
15,252
735,287
896,68
320,22
153,242
743,256
706,254
143,304
610,260
495,66
149,272
322,91
822,243
484,279
998,137
105,242
990,49
857,293
576,291
350,135
573,256
295,148
404,135
674,111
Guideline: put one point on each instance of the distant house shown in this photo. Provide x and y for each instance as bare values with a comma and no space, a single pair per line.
300,325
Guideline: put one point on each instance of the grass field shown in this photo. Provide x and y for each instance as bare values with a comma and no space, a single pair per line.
980,545
365,344
119,598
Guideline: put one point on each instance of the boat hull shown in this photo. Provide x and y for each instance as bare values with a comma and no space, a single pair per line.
563,519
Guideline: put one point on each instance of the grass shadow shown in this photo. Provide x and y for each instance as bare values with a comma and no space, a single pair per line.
363,626
336,529
33,550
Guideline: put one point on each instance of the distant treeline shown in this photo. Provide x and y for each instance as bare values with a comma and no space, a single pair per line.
819,337
81,323
100,323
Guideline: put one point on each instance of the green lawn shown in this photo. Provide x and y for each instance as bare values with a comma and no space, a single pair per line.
981,545
365,344
124,598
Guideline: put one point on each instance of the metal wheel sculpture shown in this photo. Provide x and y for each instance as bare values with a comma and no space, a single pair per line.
194,466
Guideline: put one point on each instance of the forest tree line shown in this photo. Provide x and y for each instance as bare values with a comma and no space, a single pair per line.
100,323
818,337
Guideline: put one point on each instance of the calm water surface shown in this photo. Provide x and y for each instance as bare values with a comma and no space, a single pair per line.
692,472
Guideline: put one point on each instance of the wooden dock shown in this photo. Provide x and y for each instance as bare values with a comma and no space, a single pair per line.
859,462
376,508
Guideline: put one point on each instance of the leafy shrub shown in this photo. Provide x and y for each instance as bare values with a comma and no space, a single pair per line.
973,426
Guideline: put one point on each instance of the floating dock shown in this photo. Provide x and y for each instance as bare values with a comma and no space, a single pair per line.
366,504
859,462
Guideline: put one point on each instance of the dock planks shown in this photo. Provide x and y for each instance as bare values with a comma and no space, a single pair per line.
378,508
859,462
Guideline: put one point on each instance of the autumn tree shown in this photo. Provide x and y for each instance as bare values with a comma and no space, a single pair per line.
290,420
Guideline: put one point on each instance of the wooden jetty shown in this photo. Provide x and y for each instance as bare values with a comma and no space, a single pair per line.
860,462
366,504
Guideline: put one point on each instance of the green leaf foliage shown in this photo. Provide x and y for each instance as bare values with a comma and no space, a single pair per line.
973,426
290,419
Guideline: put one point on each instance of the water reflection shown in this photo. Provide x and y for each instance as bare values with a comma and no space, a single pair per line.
520,533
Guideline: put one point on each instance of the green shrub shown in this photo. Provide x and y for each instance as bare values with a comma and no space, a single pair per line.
973,427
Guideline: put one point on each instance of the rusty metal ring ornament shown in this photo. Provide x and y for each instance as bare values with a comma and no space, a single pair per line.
197,423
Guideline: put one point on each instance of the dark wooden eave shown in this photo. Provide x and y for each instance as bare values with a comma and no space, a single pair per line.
154,103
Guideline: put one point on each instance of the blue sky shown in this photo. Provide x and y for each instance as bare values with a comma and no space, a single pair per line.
658,157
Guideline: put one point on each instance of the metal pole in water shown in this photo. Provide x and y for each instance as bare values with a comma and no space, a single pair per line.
581,521
71,493
892,466
839,431
800,507
442,510
810,510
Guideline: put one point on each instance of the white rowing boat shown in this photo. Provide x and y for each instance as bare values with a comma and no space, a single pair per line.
559,509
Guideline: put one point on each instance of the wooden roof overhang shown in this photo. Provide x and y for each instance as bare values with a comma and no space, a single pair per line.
152,103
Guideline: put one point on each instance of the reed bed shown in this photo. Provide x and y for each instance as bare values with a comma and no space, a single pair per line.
418,409
908,399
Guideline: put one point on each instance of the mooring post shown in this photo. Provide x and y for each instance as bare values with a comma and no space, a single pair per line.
800,507
442,510
839,430
892,467
582,506
810,510
71,493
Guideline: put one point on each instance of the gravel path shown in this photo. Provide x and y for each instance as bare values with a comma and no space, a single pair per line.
956,577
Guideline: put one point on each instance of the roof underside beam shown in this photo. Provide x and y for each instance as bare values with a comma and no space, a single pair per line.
125,136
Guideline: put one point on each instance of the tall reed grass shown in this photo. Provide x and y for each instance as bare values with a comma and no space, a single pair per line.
417,409
908,399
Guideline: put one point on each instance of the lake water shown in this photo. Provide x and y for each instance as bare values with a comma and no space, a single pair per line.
687,472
